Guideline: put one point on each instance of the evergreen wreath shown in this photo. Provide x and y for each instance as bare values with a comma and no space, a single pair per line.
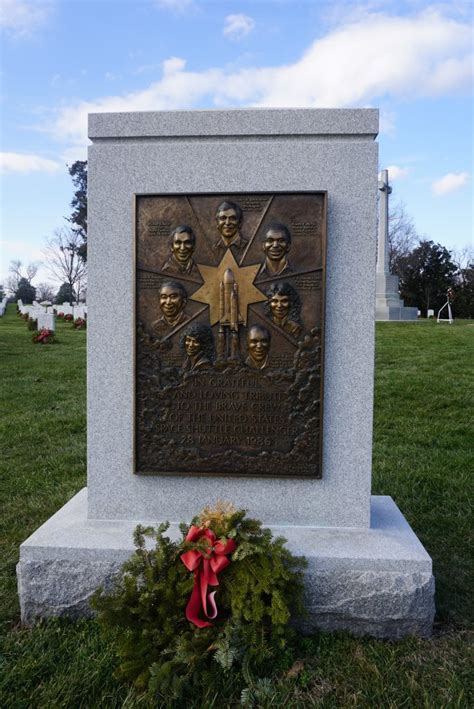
79,324
44,337
258,592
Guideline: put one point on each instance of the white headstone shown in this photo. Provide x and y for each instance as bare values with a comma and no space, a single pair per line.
46,320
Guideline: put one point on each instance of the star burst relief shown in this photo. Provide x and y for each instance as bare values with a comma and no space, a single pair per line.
228,290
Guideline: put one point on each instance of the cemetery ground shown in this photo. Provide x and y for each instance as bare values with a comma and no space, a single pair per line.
422,446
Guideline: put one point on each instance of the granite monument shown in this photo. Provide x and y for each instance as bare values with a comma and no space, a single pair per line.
269,291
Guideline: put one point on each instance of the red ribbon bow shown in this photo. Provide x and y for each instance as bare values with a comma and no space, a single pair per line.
205,566
43,335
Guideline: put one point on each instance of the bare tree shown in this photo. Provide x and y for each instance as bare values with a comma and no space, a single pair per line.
63,260
17,273
44,292
15,270
31,271
402,237
82,292
463,259
11,284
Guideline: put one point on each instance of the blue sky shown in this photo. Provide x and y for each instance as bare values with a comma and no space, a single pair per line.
63,58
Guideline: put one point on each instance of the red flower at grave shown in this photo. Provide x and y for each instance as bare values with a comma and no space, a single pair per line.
206,565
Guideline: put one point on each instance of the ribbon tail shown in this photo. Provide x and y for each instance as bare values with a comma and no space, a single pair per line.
208,578
194,605
204,582
213,605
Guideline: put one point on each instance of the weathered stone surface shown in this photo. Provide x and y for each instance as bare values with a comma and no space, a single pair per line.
57,587
375,581
237,122
384,604
400,313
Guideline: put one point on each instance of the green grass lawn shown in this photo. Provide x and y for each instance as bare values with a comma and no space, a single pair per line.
423,458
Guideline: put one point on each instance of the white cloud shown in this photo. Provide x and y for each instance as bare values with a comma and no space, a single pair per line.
21,17
145,68
75,152
387,120
176,5
172,66
450,182
238,26
355,64
401,56
395,172
24,162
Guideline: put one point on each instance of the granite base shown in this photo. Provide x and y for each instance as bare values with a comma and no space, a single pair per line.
375,581
388,304
399,312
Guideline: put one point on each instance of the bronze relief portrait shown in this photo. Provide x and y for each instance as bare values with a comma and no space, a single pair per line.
276,244
228,221
283,307
182,244
229,321
172,299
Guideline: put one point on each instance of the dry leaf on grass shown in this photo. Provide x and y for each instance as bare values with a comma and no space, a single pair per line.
295,669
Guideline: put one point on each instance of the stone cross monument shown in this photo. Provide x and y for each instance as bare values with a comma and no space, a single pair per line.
382,248
388,305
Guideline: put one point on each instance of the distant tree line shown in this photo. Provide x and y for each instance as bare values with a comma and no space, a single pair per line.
426,270
78,217
65,254
25,291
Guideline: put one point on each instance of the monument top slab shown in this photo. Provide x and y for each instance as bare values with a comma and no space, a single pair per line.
236,122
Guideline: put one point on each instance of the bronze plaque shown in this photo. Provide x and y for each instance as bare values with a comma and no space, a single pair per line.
229,334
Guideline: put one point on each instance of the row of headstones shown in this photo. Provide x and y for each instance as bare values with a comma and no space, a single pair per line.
3,305
45,314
